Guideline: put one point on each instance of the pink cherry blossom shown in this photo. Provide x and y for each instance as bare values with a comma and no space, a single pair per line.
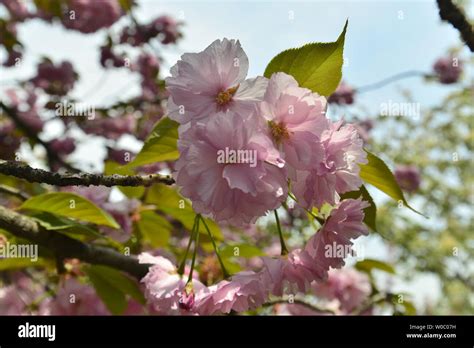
204,83
165,288
110,127
17,298
88,16
350,287
344,224
74,298
13,58
337,172
245,291
363,128
55,79
64,146
301,267
26,107
344,94
230,189
108,58
166,28
9,142
293,273
448,69
296,120
17,8
408,177
11,302
148,66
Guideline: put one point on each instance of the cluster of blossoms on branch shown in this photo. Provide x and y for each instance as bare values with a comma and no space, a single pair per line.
55,80
245,144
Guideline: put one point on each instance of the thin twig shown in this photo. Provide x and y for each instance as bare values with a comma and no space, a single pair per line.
389,80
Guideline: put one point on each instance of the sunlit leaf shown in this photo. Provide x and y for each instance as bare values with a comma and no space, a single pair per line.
376,173
316,66
70,205
161,145
154,228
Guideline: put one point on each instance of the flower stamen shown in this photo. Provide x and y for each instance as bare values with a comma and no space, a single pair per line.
224,97
279,131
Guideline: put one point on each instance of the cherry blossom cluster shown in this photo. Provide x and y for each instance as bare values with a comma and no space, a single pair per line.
276,139
168,292
283,124
345,291
448,69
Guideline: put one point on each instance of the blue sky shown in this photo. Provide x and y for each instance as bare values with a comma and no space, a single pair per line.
383,38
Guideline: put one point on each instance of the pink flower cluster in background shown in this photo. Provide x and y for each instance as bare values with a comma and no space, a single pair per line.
88,16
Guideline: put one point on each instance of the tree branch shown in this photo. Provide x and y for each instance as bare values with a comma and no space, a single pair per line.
23,171
449,12
66,247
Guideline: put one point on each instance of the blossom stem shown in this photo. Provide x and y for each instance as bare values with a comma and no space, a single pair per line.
224,271
320,220
196,245
191,238
284,250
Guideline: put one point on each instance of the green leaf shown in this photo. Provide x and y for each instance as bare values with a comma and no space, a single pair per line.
161,145
170,202
112,286
50,6
368,265
121,281
376,173
70,205
113,298
7,264
369,212
316,66
57,223
126,5
154,229
231,267
241,250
